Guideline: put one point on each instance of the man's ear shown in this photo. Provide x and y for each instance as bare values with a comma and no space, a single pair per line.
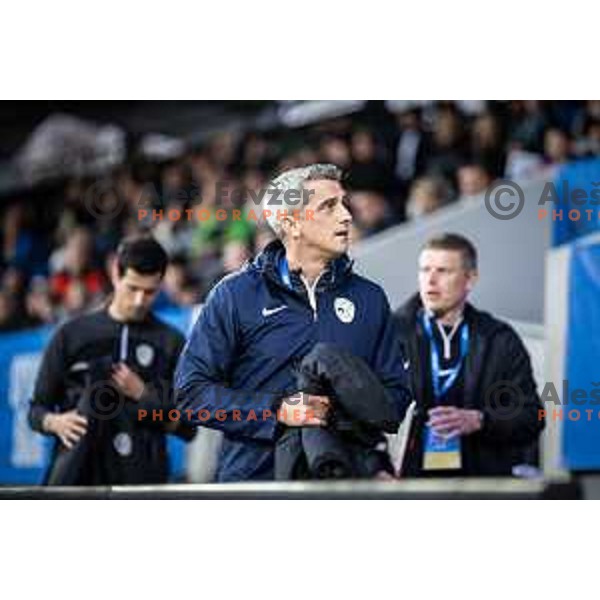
290,228
114,271
473,278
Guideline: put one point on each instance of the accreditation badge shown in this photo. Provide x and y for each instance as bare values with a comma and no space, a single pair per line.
439,452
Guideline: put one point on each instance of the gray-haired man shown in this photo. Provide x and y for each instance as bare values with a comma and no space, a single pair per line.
236,372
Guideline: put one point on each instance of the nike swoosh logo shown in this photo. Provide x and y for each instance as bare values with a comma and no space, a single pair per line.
267,312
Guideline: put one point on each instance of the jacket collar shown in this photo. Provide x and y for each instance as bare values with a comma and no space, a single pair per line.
412,308
268,261
483,328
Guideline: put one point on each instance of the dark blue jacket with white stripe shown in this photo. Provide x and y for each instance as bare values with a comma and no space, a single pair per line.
251,333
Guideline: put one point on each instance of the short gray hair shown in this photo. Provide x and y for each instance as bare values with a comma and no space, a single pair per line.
293,180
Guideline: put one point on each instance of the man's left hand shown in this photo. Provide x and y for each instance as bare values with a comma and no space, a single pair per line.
127,381
449,421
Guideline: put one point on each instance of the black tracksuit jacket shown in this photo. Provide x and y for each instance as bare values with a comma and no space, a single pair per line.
118,448
352,445
496,354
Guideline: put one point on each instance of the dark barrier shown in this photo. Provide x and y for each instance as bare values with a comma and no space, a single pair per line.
458,489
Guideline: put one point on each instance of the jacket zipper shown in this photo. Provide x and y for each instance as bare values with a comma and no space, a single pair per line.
124,344
312,294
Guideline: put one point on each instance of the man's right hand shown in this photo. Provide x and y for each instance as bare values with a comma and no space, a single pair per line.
301,410
69,427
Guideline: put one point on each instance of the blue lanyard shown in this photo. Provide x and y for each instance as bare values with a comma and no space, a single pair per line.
439,391
284,271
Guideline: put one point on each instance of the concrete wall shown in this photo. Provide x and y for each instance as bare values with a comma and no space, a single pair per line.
511,255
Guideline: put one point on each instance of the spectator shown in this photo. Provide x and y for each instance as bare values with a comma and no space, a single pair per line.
176,184
38,303
9,317
76,281
235,254
74,210
202,169
588,113
589,143
371,212
557,147
23,248
368,170
222,149
75,300
447,151
138,192
411,149
305,156
487,147
427,195
177,289
592,109
264,235
526,125
256,153
175,235
13,281
110,211
211,233
335,150
253,182
433,140
473,180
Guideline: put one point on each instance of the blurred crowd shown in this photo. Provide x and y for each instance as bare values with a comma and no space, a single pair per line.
402,164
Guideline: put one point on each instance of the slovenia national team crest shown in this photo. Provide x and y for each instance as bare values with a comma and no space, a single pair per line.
344,309
144,354
123,443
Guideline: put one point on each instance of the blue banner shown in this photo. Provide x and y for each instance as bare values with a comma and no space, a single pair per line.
24,453
577,187
581,418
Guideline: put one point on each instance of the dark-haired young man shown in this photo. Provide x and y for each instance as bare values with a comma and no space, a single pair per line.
99,369
477,405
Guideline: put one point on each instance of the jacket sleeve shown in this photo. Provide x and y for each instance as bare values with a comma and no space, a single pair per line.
511,404
389,362
204,368
49,390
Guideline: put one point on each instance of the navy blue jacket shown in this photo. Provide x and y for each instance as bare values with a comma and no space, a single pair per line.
251,333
